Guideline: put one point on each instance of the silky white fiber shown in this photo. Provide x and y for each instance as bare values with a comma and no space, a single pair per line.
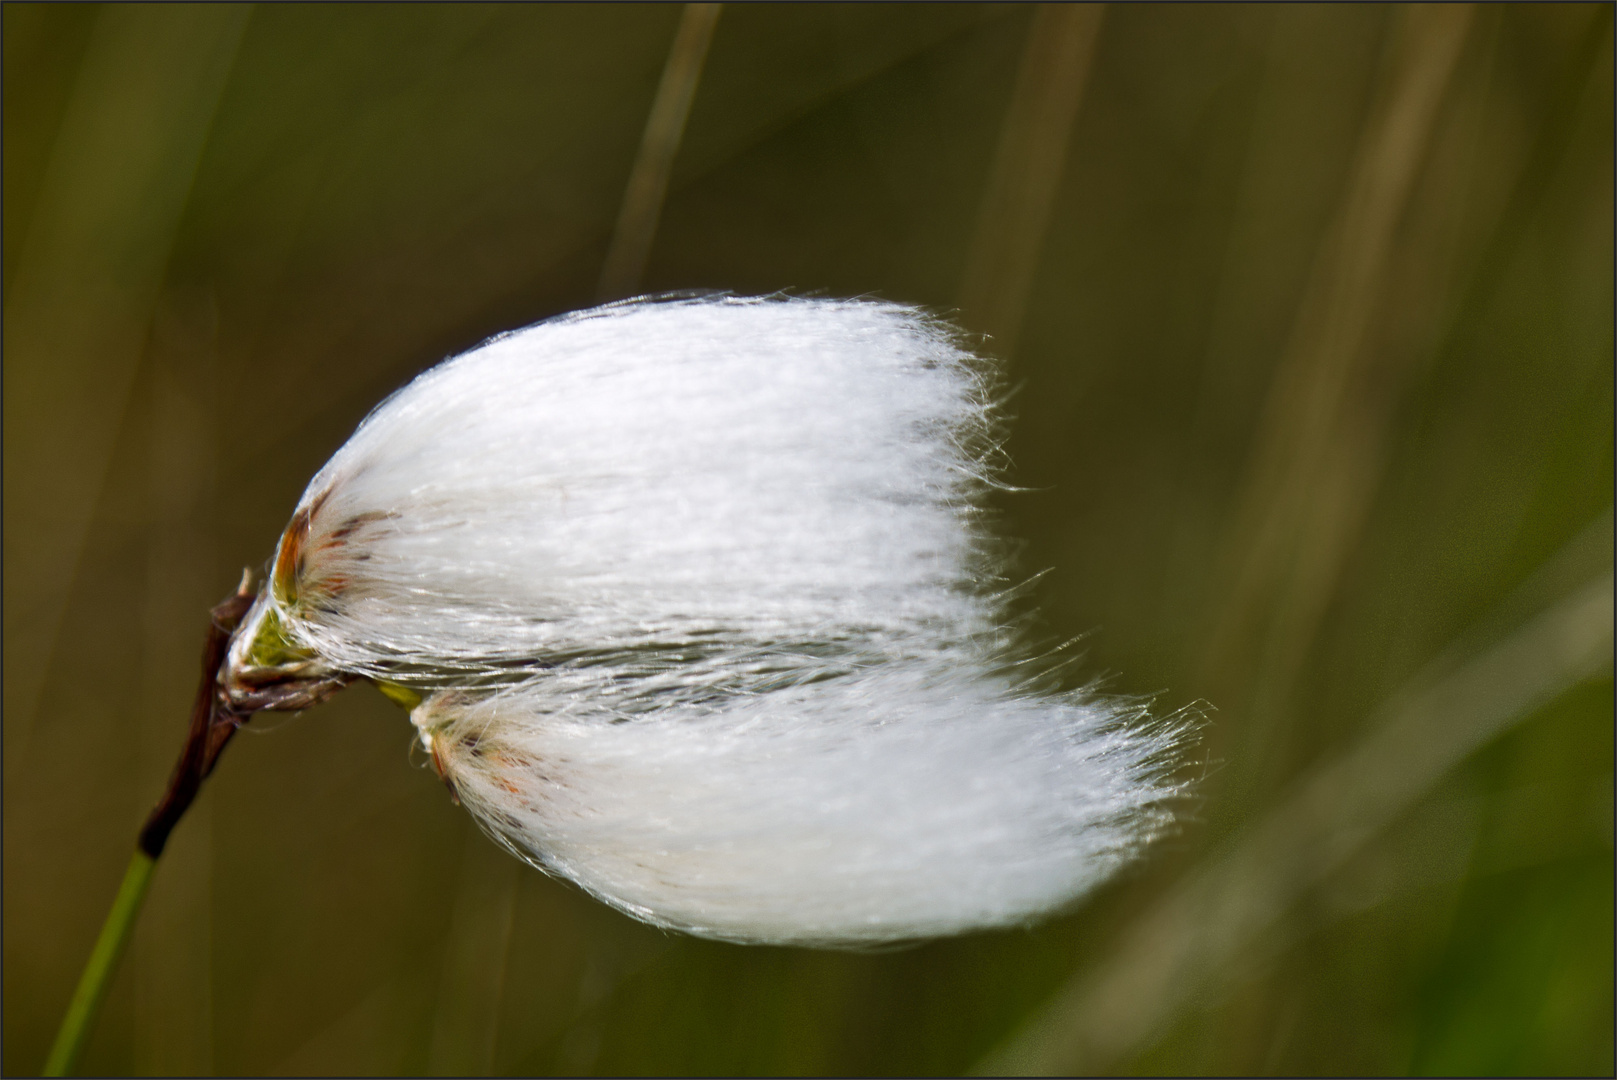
701,606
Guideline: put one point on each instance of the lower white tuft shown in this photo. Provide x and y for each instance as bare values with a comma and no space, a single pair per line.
700,606
911,800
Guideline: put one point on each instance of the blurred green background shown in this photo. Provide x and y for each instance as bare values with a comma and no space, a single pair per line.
1308,315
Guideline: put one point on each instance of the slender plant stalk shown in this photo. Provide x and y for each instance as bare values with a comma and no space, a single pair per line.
80,297
212,725
1026,173
665,127
1192,936
1316,465
97,977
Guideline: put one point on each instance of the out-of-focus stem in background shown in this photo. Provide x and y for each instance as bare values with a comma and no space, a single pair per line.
1026,170
1316,457
625,264
471,985
78,311
1193,935
1315,468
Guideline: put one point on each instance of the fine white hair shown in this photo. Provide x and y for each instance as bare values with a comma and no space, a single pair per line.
701,608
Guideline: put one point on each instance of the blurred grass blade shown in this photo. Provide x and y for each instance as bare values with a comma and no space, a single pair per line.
87,279
1317,454
1218,912
472,983
648,181
1027,169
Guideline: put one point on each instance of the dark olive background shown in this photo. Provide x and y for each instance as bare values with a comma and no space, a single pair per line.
381,186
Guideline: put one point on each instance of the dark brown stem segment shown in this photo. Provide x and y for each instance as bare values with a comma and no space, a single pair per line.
213,722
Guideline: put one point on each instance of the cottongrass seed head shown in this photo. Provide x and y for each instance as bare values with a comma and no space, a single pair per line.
695,605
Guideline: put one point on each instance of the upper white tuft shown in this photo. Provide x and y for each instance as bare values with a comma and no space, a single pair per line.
701,605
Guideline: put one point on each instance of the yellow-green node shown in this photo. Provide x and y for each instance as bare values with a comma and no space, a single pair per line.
402,696
271,646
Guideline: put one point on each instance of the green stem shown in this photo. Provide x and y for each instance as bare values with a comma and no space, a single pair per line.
97,977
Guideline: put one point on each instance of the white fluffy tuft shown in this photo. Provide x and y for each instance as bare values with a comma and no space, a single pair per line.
700,604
